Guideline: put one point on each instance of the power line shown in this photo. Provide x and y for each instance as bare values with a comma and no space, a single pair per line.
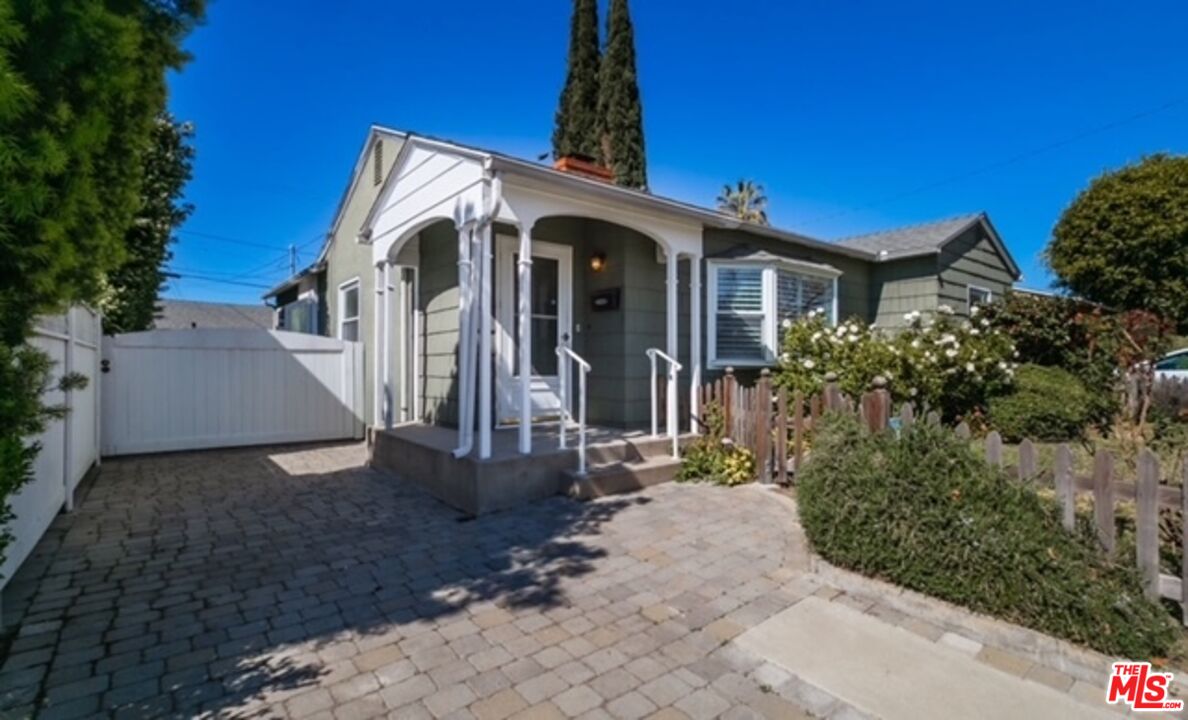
207,278
1026,155
247,243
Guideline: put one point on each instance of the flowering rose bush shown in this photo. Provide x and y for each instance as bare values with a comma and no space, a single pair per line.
951,365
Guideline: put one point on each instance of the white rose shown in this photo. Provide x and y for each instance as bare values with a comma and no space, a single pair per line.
969,367
787,323
912,392
816,336
809,364
950,353
973,311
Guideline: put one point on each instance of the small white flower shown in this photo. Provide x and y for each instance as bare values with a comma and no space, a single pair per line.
912,392
974,331
852,328
944,310
787,323
916,343
950,353
816,336
985,322
1002,365
785,358
809,364
973,311
969,367
852,338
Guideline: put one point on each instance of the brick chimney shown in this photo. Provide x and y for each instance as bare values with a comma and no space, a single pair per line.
585,167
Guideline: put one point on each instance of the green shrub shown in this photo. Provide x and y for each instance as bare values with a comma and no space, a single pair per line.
926,513
1048,405
941,361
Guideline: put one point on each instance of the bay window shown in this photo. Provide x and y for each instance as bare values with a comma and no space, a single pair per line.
749,301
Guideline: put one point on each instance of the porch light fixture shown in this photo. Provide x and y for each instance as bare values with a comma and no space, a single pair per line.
598,261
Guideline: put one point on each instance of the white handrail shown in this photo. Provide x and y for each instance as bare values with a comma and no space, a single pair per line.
674,369
567,356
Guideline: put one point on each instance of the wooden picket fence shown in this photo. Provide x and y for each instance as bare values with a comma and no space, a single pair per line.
774,425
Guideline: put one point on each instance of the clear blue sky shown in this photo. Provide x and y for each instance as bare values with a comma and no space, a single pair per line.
856,116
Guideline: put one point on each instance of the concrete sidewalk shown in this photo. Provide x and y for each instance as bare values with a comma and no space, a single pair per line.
892,673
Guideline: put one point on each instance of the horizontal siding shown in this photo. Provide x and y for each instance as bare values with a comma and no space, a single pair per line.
971,259
439,301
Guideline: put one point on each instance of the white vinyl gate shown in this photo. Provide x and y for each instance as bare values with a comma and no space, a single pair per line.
69,446
166,390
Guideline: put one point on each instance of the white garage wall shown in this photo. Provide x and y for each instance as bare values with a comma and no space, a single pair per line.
69,447
169,390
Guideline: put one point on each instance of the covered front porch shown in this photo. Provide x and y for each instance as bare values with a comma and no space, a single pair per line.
483,269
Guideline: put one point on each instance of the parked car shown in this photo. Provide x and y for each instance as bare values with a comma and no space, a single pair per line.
1174,365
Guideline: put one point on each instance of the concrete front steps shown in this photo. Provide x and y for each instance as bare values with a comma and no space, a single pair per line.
623,466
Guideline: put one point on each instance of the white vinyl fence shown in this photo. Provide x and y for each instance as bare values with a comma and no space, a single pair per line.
69,447
166,390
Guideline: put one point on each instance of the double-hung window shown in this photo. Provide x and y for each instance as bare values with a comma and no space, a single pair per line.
348,310
749,301
979,296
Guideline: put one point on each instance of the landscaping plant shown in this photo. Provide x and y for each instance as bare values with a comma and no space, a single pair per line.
1047,405
927,513
942,362
713,457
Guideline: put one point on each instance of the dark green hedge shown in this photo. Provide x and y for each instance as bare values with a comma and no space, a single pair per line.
1047,405
926,513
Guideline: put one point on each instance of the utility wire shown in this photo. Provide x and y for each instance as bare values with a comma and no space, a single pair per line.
1026,155
207,278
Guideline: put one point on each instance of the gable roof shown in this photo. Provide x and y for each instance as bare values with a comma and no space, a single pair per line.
185,314
617,193
927,239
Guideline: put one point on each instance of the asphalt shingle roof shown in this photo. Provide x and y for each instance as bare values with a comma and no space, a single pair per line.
913,239
183,314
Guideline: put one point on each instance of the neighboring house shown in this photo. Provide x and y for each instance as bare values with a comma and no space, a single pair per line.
186,314
439,232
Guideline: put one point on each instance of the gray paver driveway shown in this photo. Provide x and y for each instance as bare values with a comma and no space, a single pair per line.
295,582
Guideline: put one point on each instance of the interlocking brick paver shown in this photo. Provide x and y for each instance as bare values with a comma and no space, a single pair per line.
502,704
296,582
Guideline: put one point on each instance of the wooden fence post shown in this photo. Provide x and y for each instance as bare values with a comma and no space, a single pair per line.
880,413
1147,522
1103,498
728,388
762,418
781,453
798,430
832,393
815,410
1066,492
1026,460
994,448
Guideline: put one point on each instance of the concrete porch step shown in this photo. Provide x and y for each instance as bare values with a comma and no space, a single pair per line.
633,449
619,477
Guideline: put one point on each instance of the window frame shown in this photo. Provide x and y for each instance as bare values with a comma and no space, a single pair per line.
343,289
969,290
770,330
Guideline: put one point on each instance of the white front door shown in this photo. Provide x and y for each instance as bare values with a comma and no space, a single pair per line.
551,307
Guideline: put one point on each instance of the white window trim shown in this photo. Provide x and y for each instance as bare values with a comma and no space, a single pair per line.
770,285
353,283
969,304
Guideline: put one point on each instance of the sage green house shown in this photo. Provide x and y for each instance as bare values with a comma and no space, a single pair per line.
506,304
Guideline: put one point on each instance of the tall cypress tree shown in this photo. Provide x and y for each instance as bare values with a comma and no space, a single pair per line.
576,130
620,111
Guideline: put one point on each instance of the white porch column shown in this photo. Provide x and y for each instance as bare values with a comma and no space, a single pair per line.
377,345
486,287
525,338
465,428
694,341
671,339
386,318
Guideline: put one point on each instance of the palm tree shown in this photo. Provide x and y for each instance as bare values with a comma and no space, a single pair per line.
745,201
